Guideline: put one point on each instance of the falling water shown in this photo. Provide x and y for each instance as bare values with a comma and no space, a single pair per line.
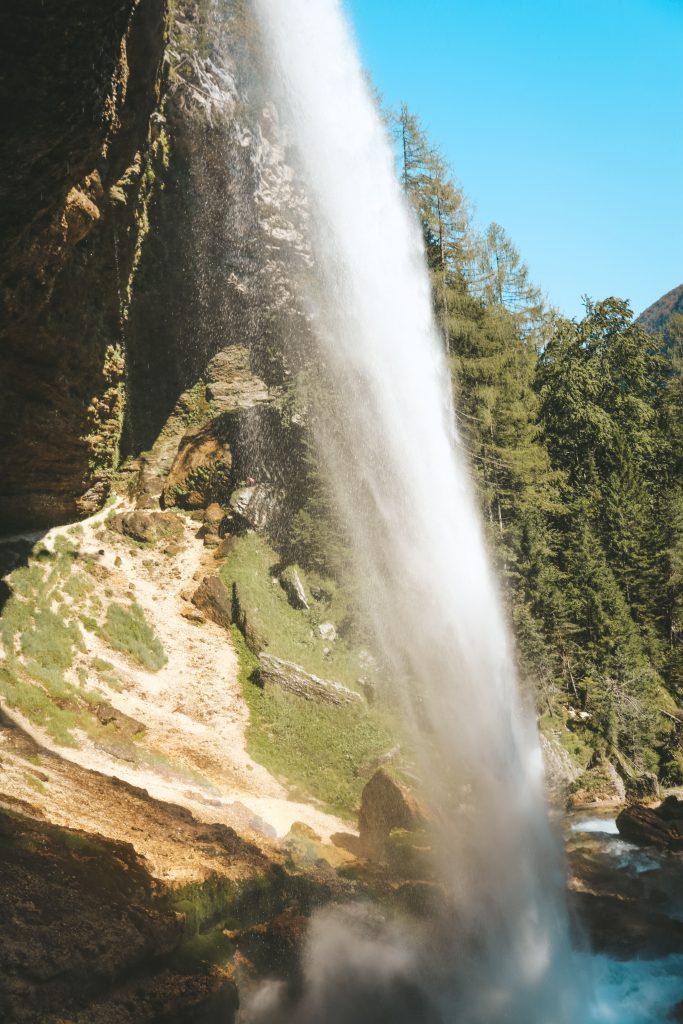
402,490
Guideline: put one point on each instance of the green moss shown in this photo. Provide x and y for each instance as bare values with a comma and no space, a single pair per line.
325,751
126,629
574,737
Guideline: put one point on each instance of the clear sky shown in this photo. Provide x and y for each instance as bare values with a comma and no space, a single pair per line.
562,120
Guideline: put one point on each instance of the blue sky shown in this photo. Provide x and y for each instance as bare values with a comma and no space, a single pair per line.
562,120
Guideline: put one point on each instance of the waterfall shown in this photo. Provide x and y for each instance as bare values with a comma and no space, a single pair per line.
402,490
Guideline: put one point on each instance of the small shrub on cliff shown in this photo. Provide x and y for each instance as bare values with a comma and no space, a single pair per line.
126,629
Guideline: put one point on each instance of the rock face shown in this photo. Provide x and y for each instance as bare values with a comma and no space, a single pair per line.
288,676
661,826
257,506
201,471
560,770
385,806
80,82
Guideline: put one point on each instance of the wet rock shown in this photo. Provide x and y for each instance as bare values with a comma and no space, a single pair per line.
290,581
79,84
289,676
625,928
257,505
386,805
560,770
213,599
661,826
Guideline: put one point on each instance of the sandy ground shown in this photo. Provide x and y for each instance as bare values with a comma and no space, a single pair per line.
192,708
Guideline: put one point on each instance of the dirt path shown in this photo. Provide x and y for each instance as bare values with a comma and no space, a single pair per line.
193,710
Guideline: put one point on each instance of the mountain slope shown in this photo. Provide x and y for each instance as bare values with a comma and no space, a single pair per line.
657,316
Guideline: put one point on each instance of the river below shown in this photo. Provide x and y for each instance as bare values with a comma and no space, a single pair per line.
629,900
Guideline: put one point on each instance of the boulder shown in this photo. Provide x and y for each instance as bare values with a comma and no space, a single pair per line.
147,527
386,805
213,599
127,726
290,581
661,826
327,631
214,517
289,676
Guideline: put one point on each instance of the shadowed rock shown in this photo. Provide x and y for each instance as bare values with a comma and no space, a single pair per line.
386,805
661,826
213,599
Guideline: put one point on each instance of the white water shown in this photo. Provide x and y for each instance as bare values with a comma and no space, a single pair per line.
404,493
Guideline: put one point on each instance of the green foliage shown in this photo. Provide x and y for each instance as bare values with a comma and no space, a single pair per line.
574,432
126,629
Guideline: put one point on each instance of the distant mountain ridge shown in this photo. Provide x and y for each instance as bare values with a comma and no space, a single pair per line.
657,316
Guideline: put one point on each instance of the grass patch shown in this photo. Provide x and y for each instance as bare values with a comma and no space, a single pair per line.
51,641
78,586
327,752
17,617
42,637
271,623
27,581
125,629
34,703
